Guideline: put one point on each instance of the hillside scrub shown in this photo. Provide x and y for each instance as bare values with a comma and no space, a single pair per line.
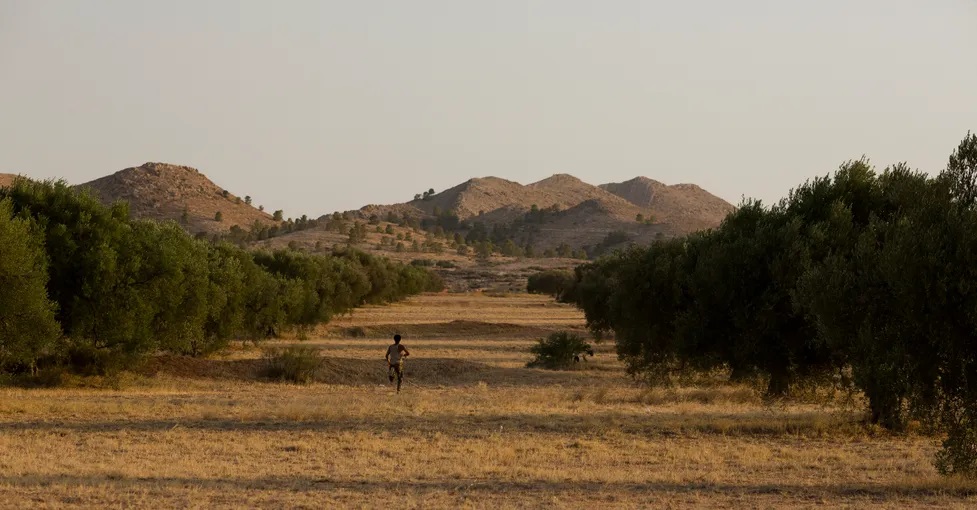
865,278
88,287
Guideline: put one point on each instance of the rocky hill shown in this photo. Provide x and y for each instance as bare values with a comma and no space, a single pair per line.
170,192
6,179
577,213
686,207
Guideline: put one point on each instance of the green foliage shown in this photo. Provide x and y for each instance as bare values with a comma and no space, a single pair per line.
295,364
559,351
278,215
28,330
219,216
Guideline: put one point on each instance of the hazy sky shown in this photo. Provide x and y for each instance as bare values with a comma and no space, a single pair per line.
315,106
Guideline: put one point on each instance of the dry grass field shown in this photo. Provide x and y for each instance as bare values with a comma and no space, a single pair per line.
473,428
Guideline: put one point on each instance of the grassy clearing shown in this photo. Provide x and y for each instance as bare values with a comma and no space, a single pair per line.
473,428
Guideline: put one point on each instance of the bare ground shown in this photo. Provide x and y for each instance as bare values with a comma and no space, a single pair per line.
473,428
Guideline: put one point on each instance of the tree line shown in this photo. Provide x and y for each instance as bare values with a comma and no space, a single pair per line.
86,287
864,278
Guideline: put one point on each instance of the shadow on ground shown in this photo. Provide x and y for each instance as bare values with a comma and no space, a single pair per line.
492,487
355,371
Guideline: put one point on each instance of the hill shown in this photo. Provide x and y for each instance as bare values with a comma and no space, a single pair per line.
162,191
6,179
686,207
562,209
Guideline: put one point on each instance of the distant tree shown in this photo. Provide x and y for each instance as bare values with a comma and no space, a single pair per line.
484,250
261,208
357,233
225,193
389,229
247,199
400,248
278,215
417,196
185,216
511,249
640,218
553,282
219,216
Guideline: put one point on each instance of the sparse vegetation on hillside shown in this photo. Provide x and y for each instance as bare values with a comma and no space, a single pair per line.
161,191
538,219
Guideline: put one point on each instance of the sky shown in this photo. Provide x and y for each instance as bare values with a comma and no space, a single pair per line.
317,106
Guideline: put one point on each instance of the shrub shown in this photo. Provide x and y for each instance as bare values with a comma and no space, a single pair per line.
559,351
297,364
553,282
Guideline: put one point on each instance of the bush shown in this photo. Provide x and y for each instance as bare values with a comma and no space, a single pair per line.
553,282
559,351
297,364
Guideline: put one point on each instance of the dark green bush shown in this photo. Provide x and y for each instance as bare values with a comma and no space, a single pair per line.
553,282
559,351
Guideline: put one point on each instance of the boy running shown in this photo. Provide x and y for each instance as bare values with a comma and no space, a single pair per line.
395,361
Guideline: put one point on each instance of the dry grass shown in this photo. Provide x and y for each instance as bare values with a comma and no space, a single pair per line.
472,429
